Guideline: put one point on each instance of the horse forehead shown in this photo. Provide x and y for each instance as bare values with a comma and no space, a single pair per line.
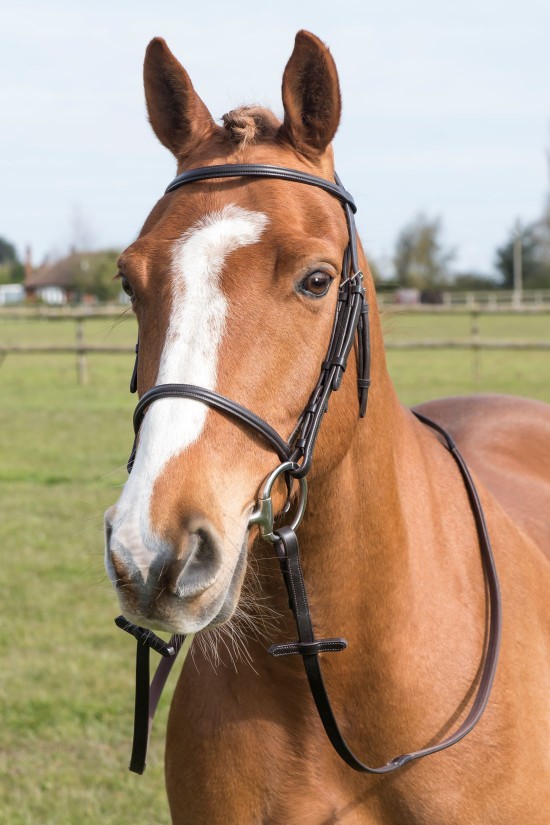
215,234
199,255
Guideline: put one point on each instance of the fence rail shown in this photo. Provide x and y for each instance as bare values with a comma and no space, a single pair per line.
468,343
34,349
64,313
110,313
81,349
491,299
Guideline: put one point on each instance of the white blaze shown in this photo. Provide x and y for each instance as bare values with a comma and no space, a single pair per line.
189,356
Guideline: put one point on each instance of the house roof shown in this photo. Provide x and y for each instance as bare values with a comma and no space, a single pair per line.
60,273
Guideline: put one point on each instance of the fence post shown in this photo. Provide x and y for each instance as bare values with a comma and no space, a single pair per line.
474,333
81,363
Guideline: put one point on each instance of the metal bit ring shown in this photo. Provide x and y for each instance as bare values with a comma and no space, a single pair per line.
263,514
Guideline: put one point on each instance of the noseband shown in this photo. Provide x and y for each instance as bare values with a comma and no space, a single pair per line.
351,322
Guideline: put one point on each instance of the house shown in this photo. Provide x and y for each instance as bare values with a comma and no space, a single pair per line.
80,277
54,282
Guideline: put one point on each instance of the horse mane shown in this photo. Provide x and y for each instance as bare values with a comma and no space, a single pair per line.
250,124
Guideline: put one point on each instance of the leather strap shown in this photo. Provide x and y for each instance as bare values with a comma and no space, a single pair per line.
308,647
217,401
261,170
351,320
141,710
147,696
133,379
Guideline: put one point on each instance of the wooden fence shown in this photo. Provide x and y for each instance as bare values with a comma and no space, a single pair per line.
81,349
490,299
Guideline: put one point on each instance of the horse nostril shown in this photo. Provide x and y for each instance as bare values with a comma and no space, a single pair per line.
202,564
118,561
119,569
112,564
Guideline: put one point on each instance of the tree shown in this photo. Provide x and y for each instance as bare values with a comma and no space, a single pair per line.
467,281
535,250
8,255
535,255
11,269
420,260
94,274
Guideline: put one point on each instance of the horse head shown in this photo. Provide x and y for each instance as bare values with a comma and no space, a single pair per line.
234,284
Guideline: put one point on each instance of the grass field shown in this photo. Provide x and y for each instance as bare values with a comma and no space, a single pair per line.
66,683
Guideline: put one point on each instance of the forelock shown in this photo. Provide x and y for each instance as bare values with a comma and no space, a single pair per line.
250,124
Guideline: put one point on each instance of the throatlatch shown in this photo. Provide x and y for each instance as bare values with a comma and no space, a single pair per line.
351,323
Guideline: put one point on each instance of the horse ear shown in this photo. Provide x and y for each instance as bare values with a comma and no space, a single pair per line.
178,116
311,96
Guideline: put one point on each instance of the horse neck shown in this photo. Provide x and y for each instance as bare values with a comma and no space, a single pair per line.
385,563
358,536
380,515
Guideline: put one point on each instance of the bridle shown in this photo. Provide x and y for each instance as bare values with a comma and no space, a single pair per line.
351,322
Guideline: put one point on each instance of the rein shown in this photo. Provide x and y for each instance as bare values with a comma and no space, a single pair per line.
351,322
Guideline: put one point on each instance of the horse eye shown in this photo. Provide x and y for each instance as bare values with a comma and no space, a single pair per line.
316,283
126,287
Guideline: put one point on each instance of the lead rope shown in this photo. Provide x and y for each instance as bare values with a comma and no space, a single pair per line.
147,695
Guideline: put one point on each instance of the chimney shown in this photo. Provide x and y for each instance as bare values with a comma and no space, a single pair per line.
28,262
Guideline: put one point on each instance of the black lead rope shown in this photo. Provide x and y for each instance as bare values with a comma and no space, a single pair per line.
147,696
351,323
141,710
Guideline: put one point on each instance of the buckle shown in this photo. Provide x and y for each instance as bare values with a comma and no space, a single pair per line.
356,276
308,648
263,514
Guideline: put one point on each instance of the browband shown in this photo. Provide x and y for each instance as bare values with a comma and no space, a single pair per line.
260,170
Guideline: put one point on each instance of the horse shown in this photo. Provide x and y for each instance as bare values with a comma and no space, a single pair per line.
235,285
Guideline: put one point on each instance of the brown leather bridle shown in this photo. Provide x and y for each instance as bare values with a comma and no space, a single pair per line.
350,323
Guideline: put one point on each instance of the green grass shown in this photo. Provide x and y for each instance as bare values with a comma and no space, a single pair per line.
66,682
422,375
501,326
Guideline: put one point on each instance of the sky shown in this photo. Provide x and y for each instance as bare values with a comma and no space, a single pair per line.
446,110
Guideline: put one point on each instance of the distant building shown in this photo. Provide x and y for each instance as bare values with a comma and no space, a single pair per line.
11,294
80,277
55,282
407,296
